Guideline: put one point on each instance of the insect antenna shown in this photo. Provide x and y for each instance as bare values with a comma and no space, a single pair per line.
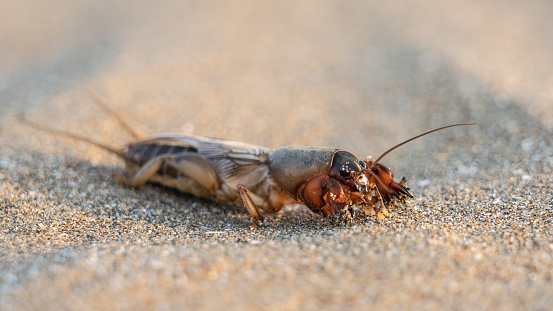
411,139
98,101
45,128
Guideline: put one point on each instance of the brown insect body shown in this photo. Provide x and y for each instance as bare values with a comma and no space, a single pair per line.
327,180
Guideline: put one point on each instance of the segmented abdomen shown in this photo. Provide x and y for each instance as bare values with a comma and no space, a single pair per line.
140,154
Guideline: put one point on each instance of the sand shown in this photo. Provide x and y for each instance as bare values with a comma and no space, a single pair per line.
361,76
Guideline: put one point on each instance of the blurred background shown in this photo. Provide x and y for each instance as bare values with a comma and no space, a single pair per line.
357,75
244,59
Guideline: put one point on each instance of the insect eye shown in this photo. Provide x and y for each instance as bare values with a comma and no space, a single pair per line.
344,170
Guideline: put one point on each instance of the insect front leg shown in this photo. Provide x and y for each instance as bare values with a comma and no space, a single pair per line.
323,195
361,199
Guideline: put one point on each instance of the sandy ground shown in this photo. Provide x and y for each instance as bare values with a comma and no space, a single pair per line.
361,76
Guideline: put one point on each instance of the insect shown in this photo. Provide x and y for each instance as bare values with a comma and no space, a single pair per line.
326,180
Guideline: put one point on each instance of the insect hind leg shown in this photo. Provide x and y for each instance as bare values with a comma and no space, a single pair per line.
145,173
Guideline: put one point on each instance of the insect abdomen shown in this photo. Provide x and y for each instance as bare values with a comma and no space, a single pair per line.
140,154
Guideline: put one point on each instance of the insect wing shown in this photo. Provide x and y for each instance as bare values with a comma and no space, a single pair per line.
230,159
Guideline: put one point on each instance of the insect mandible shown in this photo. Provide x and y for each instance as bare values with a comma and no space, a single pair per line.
326,180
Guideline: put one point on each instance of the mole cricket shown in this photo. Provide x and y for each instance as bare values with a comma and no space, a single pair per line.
326,180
